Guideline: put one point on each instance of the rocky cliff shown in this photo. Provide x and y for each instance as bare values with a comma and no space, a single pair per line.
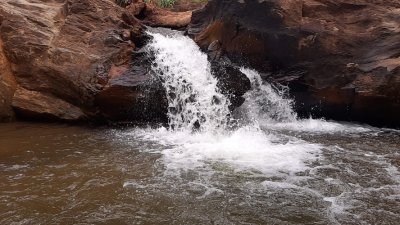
59,53
340,58
72,60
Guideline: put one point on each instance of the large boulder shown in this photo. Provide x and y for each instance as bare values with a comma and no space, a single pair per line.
340,57
60,54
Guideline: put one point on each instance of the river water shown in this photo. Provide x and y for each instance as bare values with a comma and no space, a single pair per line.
258,165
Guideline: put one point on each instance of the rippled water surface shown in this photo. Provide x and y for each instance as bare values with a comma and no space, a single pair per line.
307,172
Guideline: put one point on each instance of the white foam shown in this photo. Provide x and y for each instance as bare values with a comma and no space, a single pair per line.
316,126
16,167
245,149
270,106
255,148
132,184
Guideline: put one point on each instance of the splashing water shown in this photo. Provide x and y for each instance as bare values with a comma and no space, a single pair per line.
269,106
268,152
267,102
195,103
194,100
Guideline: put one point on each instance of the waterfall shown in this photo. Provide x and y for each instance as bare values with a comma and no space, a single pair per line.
265,102
246,139
194,100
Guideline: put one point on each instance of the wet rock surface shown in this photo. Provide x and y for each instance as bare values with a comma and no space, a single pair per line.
231,82
135,94
340,58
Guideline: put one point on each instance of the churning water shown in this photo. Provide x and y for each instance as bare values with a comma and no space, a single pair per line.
202,131
256,165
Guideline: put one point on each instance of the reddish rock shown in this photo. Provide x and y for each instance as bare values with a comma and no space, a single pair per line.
340,58
152,15
33,104
136,7
188,5
159,17
63,52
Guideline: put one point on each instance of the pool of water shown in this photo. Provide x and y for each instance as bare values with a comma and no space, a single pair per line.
305,172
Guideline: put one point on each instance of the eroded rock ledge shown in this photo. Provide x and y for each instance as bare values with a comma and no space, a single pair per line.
339,57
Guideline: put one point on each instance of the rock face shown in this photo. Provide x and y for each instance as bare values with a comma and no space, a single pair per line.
7,87
231,82
152,15
158,17
59,55
188,5
135,94
40,106
340,58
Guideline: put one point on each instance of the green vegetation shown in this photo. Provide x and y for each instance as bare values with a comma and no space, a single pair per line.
166,3
163,3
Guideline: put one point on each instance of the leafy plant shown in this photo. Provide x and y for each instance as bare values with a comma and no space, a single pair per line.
166,3
163,3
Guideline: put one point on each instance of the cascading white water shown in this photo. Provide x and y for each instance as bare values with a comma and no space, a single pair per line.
195,102
193,97
267,102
